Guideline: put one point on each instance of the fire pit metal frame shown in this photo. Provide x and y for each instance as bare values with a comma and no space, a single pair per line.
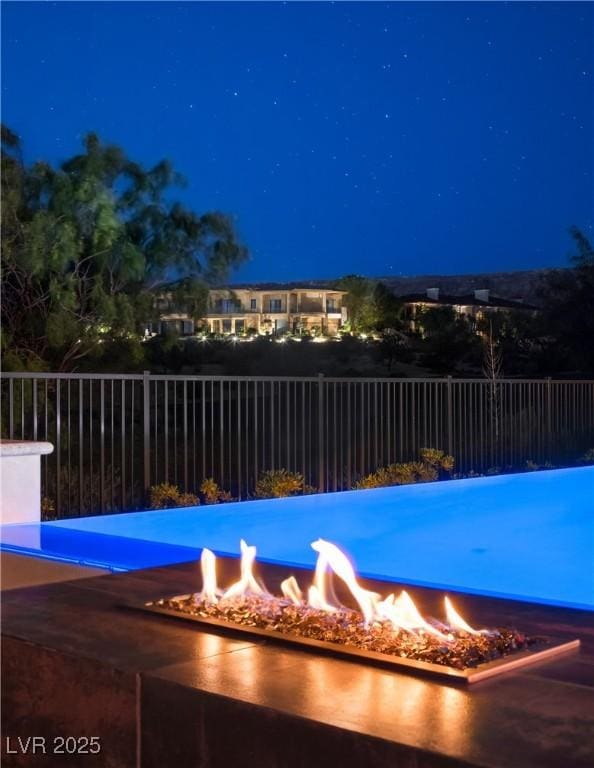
547,648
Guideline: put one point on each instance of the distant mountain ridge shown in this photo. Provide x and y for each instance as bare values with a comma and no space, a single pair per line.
520,285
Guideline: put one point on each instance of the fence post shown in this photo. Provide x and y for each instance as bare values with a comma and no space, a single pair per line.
450,417
146,426
549,421
321,445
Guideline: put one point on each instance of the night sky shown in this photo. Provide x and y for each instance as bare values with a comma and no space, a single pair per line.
368,138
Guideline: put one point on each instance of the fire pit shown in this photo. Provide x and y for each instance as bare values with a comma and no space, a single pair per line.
387,630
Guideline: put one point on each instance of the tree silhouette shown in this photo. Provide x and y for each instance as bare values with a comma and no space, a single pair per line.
87,248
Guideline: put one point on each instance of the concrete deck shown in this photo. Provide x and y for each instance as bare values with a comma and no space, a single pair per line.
17,571
160,692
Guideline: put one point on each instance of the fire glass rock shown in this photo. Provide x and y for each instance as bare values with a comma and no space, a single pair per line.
346,627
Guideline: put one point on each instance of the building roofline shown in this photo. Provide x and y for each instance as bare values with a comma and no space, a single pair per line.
277,287
468,300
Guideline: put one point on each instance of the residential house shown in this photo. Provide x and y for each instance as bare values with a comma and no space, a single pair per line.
275,309
475,306
269,309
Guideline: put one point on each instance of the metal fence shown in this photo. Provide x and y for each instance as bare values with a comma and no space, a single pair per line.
116,435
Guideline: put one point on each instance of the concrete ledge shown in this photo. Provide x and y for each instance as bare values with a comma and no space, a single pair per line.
24,448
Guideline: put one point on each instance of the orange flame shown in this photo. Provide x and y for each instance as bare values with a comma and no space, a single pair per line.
208,566
247,584
400,612
456,621
291,591
330,555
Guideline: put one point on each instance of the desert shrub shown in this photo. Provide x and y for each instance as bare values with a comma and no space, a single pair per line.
394,474
277,483
433,465
442,462
211,492
166,495
422,472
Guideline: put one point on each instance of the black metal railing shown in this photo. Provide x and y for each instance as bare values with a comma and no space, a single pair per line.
116,435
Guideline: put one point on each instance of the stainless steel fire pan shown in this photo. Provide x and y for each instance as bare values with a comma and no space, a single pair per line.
545,648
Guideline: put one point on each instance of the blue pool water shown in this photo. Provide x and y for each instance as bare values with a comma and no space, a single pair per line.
527,536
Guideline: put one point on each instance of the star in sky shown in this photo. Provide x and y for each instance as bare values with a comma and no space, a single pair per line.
416,119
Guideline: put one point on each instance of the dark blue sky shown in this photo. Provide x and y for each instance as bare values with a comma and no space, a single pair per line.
351,137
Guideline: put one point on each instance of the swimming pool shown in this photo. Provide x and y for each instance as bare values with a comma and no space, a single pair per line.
526,536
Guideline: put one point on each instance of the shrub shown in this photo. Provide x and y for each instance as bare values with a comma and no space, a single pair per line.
434,465
438,459
166,495
394,474
588,457
423,472
277,483
212,493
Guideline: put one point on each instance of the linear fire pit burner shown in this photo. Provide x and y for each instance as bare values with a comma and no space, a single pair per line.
390,631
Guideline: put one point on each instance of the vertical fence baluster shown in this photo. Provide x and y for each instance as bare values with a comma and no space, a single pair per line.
175,473
155,442
91,464
69,454
229,430
166,430
185,427
146,432
34,398
123,445
102,444
195,484
239,442
22,409
222,431
46,424
348,434
450,417
255,475
80,448
11,408
133,451
58,452
203,428
321,446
